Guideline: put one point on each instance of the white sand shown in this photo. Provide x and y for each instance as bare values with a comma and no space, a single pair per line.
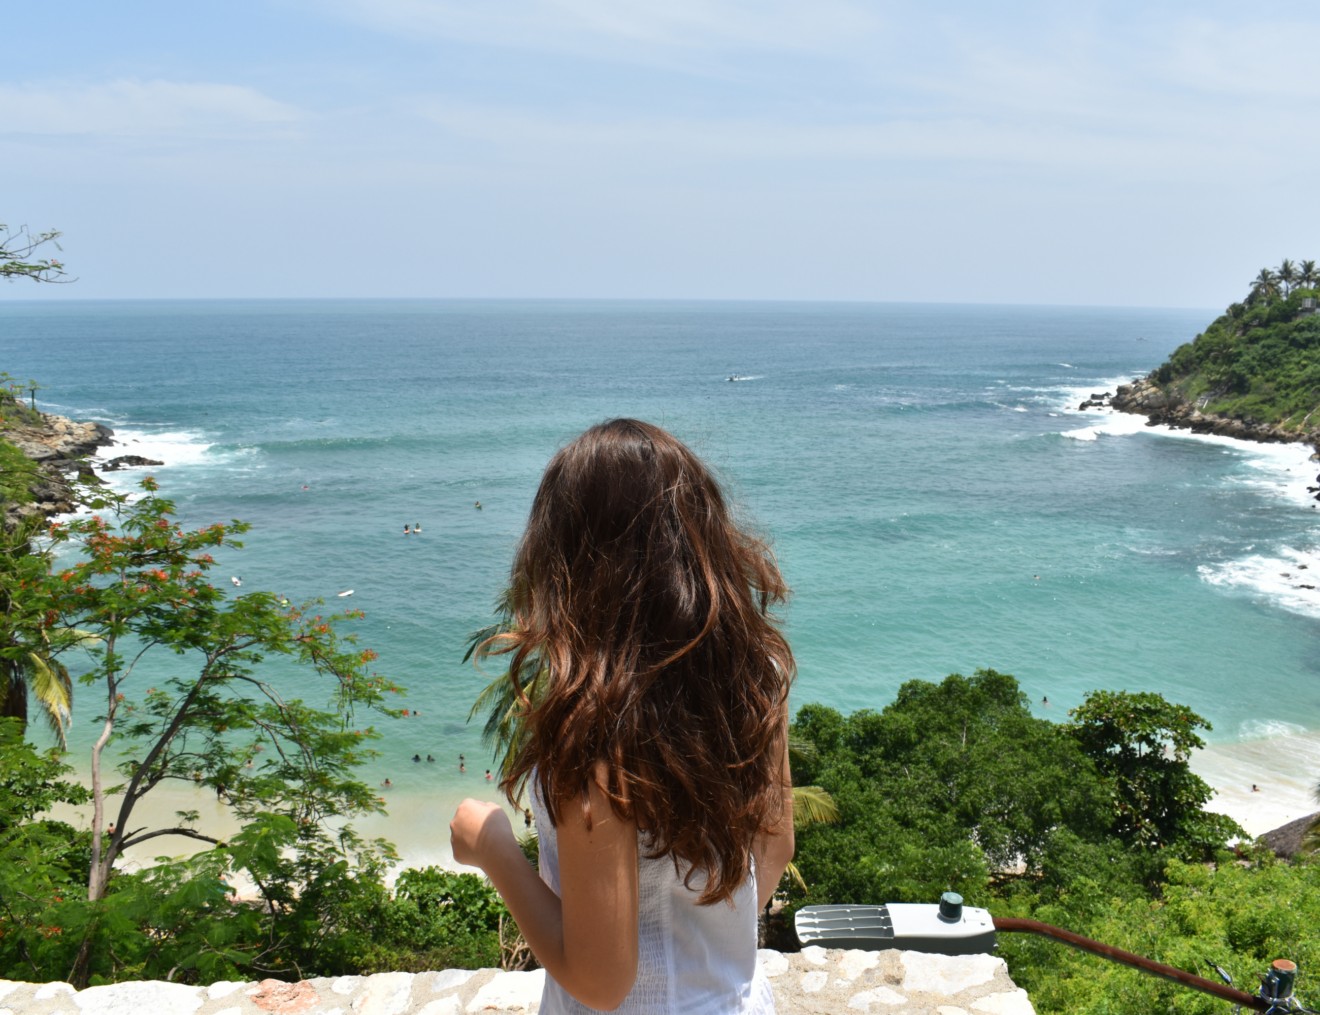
417,824
1285,768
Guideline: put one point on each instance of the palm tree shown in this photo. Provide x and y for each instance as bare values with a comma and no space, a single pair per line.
1310,276
1265,284
35,672
29,667
1287,274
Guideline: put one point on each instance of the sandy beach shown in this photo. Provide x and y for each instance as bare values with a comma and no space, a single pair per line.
1284,768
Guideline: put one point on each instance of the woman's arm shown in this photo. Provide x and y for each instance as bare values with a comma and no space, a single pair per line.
773,851
586,940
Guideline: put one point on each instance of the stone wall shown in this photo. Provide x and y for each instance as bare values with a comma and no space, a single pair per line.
814,981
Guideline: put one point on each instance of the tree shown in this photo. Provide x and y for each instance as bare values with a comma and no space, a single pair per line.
1287,274
39,860
141,588
17,245
1309,276
959,761
1141,745
1265,285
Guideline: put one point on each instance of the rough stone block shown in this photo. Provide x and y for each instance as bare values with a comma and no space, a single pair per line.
137,997
519,991
384,994
815,981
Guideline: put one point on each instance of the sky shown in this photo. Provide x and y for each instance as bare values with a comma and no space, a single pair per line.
1138,154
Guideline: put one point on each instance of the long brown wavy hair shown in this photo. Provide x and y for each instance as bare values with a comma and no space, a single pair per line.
642,615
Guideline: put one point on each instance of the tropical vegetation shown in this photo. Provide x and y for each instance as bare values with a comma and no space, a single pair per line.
296,891
1260,359
1096,825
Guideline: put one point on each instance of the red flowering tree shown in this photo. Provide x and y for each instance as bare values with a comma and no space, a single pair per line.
210,712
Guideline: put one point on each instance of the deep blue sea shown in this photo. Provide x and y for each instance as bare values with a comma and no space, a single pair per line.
936,501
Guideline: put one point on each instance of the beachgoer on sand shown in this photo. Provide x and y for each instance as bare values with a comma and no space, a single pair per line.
655,519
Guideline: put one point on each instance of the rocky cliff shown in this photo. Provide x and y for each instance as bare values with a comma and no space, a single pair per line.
813,981
59,446
1146,398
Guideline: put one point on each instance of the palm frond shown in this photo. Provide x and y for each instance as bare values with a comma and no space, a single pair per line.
1311,837
53,689
802,750
812,805
791,871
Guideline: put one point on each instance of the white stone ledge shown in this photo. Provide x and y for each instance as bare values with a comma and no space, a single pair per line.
814,981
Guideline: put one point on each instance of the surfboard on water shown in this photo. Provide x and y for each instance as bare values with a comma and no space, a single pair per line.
343,594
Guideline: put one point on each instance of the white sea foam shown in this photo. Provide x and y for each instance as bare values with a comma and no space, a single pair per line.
1279,578
1278,471
177,449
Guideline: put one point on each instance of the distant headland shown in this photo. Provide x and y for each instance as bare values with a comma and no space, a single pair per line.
1253,374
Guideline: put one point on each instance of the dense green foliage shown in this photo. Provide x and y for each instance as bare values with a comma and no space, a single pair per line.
1095,825
1238,913
324,911
1260,360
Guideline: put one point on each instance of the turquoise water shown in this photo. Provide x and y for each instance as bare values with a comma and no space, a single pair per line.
916,466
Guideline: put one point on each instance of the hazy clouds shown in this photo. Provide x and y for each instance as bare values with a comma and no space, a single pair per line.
1023,153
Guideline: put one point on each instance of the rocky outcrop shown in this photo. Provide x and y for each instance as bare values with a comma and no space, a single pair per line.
1286,840
128,462
1146,398
813,981
59,446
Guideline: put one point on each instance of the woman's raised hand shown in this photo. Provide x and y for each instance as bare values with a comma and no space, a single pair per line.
477,831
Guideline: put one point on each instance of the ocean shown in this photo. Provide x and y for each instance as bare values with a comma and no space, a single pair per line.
935,498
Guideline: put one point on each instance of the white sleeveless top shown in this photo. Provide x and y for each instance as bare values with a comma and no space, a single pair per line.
691,960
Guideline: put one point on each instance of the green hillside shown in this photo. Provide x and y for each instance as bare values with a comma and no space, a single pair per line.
1261,359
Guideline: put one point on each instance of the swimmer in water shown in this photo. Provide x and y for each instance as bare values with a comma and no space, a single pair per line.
429,758
462,767
387,784
417,757
488,775
1045,701
478,505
